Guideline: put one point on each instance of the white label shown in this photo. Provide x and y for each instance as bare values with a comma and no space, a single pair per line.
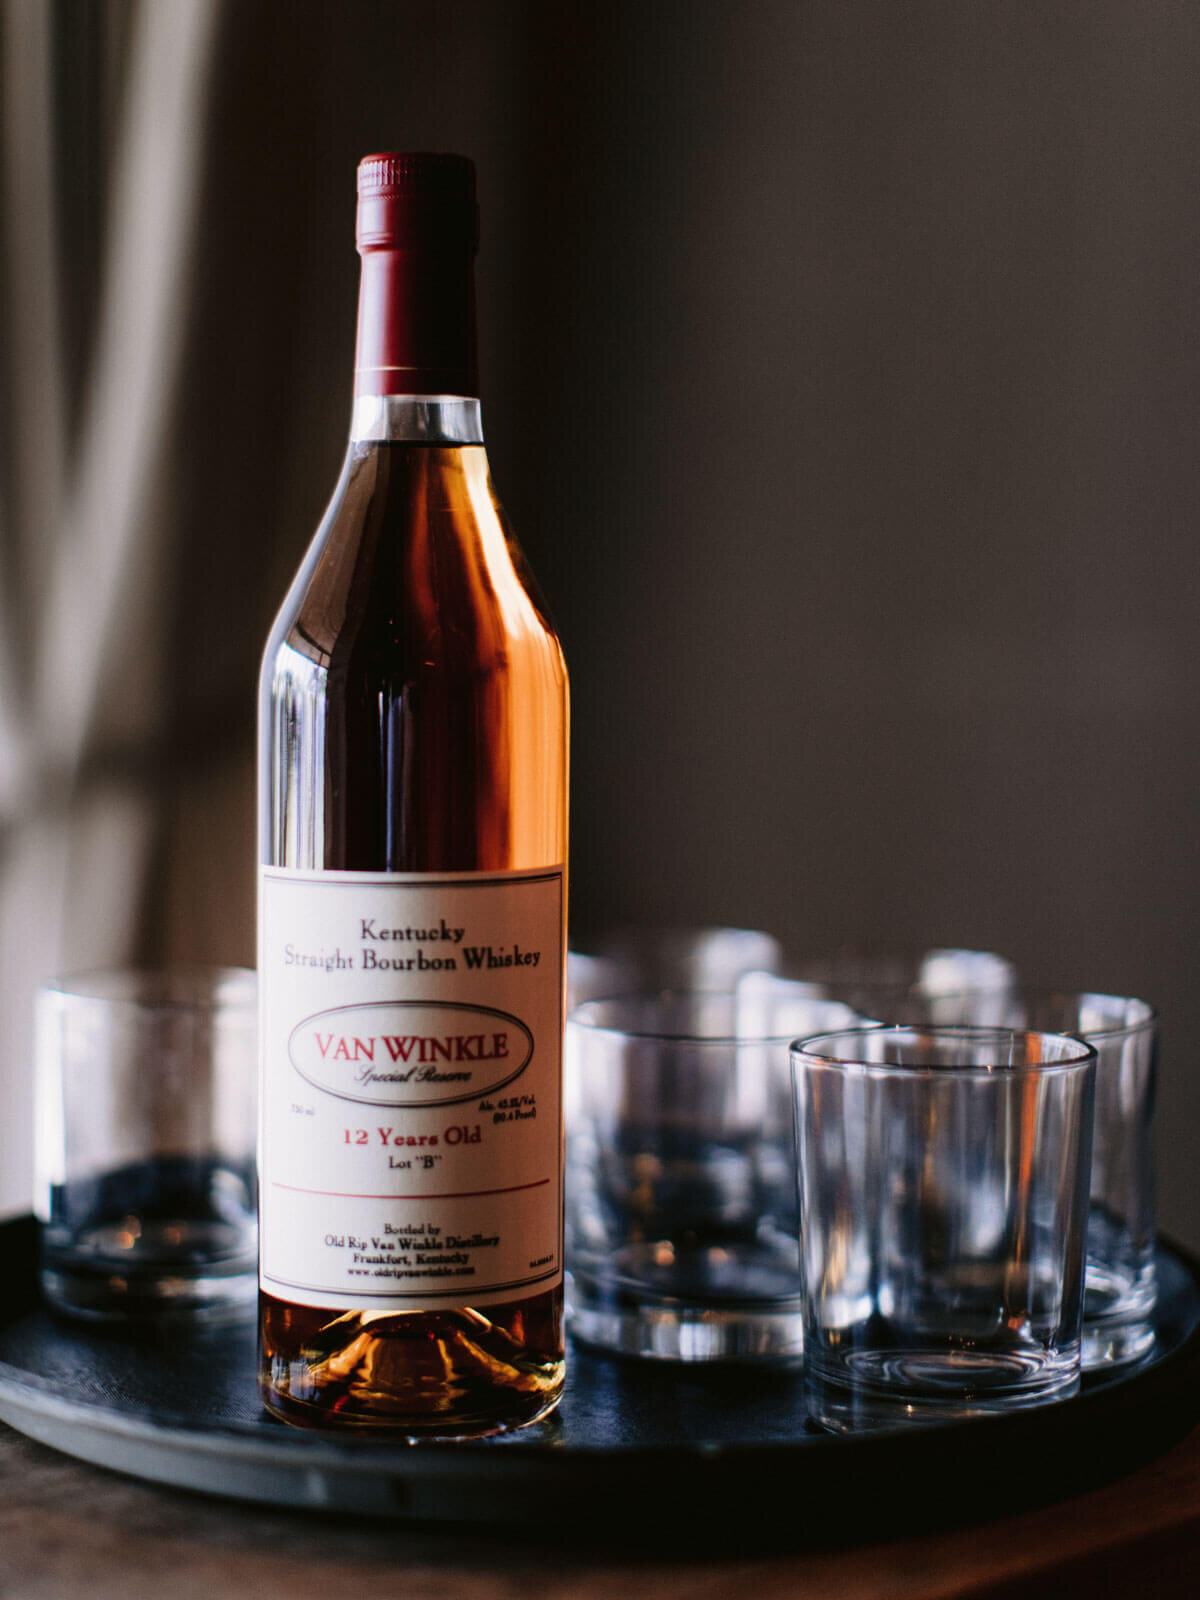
410,1151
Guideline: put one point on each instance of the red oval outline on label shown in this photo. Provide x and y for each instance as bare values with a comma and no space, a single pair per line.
475,1093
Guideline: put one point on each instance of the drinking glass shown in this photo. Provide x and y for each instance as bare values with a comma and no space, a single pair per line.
943,1202
680,1189
145,1094
1121,1291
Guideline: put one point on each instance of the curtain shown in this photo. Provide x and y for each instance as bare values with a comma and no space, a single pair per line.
102,175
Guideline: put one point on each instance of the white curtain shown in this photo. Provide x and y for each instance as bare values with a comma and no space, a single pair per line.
84,534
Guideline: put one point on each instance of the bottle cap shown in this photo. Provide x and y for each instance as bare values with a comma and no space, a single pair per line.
417,200
417,234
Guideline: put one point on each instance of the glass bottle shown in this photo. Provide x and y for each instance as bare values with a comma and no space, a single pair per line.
413,837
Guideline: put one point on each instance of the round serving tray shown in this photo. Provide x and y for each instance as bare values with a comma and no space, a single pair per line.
637,1450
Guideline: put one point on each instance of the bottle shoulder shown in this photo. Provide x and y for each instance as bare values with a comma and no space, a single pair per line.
414,568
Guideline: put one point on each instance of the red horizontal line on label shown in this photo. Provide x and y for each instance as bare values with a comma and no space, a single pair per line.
462,1194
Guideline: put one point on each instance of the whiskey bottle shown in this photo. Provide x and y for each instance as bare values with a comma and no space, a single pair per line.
413,837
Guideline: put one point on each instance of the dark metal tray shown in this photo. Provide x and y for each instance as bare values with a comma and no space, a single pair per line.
640,1451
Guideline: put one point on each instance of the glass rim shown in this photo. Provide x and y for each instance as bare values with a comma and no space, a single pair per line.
225,988
869,967
667,932
670,1036
803,1054
1149,1020
1035,992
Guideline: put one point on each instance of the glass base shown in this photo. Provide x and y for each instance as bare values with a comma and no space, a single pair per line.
116,1291
1107,1345
870,1389
1118,1305
662,1328
167,1236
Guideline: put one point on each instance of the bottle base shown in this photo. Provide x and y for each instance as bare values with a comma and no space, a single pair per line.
401,1428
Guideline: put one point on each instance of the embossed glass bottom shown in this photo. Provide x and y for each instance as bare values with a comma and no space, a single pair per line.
891,1387
704,1326
416,1375
302,1414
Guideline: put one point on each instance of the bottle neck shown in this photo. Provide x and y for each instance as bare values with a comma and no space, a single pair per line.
415,419
416,322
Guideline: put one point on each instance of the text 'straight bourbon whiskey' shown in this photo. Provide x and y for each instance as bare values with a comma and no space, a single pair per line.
413,817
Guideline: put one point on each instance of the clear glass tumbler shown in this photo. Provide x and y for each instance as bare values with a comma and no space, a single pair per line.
145,1095
680,1190
943,1203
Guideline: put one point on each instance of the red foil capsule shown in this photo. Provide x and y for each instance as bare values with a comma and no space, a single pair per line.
417,234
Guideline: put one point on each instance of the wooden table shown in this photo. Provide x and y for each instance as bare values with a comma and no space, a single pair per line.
69,1530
